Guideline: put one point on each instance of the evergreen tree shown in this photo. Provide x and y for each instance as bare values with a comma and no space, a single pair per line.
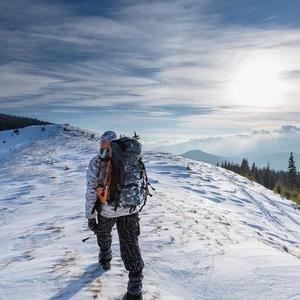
245,168
15,122
282,182
267,177
292,172
253,169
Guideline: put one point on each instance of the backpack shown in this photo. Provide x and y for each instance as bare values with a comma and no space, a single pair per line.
125,183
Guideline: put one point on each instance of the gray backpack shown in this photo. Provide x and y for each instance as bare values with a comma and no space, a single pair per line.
129,181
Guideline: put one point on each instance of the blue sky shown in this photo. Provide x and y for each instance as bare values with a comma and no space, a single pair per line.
168,69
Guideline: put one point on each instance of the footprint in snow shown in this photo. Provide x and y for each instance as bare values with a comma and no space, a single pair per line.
95,288
25,256
64,264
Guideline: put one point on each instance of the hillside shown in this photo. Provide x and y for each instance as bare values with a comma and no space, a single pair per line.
11,141
207,233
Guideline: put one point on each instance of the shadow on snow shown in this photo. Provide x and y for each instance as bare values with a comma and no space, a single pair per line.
91,273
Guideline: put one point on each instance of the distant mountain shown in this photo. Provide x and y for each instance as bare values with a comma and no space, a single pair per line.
12,122
190,145
204,156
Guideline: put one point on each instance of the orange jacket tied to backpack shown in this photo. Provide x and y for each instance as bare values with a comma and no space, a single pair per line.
103,191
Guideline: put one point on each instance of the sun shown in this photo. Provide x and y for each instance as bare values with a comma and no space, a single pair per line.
257,83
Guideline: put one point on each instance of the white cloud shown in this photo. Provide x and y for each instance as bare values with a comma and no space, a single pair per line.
284,139
15,83
148,53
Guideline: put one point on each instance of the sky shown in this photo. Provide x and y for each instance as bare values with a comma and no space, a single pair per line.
167,69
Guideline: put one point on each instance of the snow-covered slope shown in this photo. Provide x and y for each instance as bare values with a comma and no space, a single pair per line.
207,233
10,140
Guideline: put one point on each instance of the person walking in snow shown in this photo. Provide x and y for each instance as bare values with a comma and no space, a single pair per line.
117,187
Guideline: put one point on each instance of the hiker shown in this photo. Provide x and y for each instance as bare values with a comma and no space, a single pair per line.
117,187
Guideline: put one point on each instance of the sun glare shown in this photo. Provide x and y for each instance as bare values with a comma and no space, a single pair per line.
257,83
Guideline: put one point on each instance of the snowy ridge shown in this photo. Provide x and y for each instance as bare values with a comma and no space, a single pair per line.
207,233
10,141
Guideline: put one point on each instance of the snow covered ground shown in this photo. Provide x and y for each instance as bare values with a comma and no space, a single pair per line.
207,233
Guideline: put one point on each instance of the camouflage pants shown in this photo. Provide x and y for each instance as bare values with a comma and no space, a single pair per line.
128,230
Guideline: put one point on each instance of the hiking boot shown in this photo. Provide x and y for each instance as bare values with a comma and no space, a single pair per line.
135,285
133,297
106,264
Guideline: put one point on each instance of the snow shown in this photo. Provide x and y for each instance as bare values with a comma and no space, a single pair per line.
207,233
9,140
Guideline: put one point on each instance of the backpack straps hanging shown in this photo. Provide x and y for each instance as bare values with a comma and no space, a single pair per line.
117,199
146,185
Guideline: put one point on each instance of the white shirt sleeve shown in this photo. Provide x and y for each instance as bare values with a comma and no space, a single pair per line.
92,183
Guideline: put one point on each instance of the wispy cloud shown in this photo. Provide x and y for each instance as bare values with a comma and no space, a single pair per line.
168,62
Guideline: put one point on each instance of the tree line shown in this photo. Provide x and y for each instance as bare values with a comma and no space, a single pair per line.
13,122
286,183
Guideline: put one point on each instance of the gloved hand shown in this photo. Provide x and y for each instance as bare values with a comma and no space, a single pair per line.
92,223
